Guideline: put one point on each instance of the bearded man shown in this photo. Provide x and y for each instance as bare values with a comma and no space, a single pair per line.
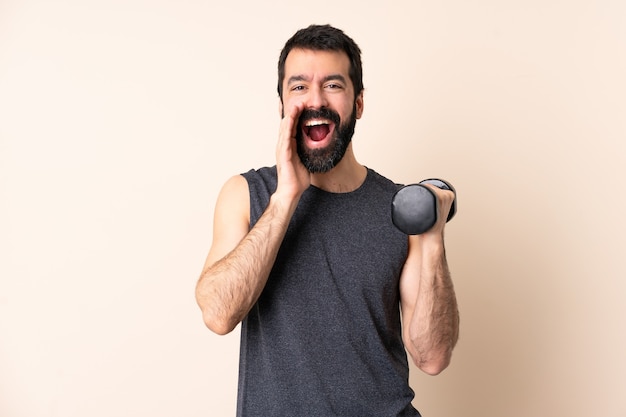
329,294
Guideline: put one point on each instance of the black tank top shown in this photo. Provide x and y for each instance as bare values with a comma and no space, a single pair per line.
324,338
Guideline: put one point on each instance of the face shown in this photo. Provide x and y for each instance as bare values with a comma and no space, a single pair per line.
320,80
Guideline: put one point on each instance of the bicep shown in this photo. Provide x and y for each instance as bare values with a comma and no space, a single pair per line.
231,221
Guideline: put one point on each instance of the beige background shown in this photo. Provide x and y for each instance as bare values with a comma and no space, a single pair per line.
120,120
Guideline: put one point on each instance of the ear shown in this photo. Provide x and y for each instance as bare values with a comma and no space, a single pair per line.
359,105
281,112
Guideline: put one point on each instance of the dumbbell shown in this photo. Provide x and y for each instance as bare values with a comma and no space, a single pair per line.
414,207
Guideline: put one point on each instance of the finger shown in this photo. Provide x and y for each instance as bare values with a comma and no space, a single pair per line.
288,129
291,119
446,199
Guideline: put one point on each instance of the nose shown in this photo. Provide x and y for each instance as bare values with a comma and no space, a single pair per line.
317,98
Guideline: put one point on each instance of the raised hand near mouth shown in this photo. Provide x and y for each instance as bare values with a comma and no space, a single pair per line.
293,177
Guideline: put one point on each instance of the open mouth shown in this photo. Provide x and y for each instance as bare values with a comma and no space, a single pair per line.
317,129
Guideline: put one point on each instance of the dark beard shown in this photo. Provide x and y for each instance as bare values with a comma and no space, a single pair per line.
324,159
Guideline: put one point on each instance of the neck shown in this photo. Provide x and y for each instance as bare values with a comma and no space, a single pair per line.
346,176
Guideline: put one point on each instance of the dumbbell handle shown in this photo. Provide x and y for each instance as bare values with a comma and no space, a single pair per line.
415,207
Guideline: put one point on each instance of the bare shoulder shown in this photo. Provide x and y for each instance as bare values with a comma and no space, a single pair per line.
233,202
234,190
231,221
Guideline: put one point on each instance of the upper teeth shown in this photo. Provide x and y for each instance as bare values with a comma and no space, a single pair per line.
316,122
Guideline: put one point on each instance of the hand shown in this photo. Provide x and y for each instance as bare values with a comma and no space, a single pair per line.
444,200
293,177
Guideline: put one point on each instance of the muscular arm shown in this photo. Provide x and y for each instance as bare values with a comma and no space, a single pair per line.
429,308
239,261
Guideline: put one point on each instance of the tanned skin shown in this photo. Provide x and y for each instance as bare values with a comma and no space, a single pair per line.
240,259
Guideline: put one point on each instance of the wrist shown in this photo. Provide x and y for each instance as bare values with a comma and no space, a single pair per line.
432,244
285,203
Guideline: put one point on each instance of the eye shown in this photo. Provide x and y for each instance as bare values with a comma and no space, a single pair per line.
334,86
297,88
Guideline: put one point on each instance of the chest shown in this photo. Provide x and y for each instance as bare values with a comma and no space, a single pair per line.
341,247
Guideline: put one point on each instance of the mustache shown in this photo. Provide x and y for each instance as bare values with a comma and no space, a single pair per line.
322,113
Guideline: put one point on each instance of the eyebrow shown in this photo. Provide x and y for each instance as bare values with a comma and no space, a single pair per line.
331,77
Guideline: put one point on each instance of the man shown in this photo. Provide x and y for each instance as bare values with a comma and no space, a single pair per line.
306,257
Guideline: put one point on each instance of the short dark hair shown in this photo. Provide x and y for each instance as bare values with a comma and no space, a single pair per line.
324,38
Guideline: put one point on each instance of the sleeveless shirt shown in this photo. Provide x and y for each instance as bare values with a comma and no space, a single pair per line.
324,338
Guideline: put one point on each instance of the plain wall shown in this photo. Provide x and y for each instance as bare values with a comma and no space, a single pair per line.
120,121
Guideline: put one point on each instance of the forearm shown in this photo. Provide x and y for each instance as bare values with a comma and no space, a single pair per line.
228,288
434,326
